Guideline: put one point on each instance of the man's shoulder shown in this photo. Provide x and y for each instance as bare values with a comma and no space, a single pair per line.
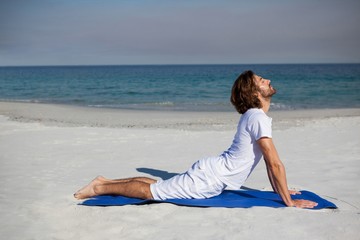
256,115
258,124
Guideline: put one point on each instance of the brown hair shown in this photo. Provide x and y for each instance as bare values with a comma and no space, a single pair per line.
244,93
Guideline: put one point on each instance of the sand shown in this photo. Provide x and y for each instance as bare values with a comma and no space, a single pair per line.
47,152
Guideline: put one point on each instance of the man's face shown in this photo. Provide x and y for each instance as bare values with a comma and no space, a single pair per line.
265,89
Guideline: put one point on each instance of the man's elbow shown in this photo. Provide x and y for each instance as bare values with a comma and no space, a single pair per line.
275,166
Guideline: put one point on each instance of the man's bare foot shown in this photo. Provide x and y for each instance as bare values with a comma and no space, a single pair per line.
88,190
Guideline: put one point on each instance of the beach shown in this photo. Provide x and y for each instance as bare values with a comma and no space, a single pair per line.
49,151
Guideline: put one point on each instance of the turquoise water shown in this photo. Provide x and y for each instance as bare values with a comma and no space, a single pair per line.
180,87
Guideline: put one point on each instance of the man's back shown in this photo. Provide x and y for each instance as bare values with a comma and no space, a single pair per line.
235,165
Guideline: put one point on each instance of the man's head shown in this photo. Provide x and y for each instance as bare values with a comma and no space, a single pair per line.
249,90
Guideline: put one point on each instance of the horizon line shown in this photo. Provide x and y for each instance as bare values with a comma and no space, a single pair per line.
178,64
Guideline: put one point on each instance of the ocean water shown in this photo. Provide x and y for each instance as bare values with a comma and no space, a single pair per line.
180,87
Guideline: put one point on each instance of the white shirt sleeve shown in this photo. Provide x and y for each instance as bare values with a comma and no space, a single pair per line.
260,126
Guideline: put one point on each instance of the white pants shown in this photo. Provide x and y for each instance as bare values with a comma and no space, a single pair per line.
198,182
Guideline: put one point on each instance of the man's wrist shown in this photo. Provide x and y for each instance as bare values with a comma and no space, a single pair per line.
290,204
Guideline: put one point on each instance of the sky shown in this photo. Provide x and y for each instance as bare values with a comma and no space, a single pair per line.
131,32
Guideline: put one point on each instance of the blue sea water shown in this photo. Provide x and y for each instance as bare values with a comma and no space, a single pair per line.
180,87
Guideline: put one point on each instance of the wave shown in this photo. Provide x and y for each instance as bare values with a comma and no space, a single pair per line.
21,100
165,105
280,106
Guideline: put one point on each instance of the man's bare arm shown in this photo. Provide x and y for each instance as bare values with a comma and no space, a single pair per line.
271,179
277,174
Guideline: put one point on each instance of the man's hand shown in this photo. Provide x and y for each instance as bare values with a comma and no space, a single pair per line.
294,192
301,203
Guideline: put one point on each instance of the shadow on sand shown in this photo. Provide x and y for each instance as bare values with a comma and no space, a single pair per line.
164,175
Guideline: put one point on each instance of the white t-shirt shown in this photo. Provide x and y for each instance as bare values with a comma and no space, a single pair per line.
236,164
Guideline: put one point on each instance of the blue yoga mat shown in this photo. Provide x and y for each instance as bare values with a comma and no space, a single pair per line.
228,198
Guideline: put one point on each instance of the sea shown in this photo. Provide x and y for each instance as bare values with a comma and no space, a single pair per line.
180,87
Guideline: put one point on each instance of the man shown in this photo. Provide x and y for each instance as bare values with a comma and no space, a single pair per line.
251,96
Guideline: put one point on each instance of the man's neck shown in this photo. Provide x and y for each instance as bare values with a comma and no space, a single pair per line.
265,105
